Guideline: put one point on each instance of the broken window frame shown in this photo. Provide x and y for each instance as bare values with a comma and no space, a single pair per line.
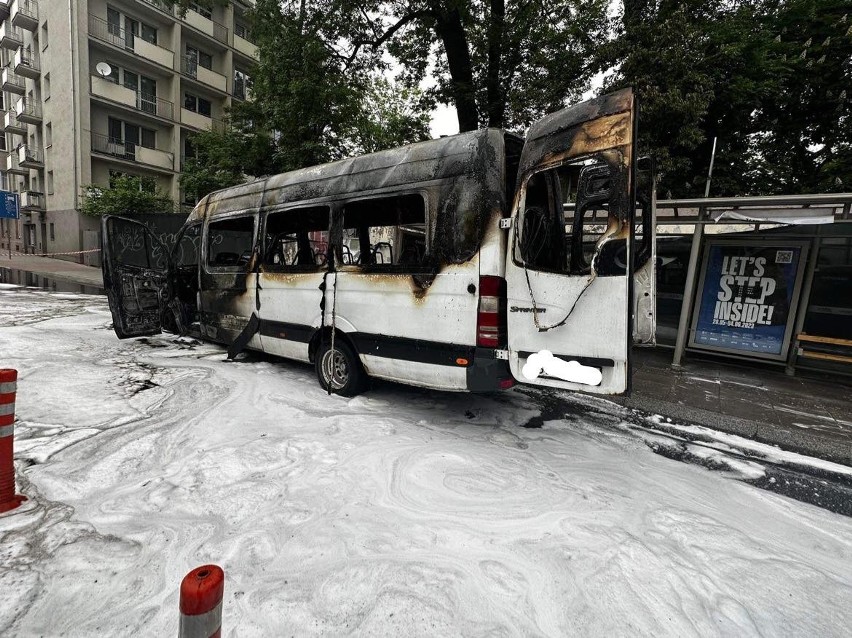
244,258
320,253
573,267
424,227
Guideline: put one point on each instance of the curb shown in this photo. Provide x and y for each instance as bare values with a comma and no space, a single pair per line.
804,442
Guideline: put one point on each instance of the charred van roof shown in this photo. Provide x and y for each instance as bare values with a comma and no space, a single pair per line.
447,157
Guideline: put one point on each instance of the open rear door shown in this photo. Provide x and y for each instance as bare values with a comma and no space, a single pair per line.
645,259
568,266
135,268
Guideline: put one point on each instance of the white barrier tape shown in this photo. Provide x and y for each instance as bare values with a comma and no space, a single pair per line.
201,625
74,252
6,430
8,387
7,408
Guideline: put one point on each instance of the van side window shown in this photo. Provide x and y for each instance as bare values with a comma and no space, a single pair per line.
188,250
385,233
230,242
296,239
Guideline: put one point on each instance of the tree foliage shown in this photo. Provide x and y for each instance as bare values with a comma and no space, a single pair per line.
127,195
765,77
500,64
309,103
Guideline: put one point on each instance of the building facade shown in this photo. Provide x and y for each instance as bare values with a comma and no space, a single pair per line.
96,88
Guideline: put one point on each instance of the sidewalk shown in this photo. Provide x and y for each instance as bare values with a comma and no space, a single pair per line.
807,413
58,269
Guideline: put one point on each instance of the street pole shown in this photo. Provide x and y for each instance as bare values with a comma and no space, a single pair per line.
691,271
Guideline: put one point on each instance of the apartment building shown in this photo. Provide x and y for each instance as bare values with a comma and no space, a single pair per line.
96,88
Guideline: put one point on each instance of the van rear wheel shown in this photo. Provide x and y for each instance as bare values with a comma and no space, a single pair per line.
340,370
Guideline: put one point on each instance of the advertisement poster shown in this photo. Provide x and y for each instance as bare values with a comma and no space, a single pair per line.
746,300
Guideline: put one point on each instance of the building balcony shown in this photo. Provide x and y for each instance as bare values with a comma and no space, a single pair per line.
206,25
29,157
190,68
11,124
13,166
244,46
100,29
151,104
26,65
162,6
130,152
199,121
12,83
28,112
32,201
24,14
10,37
4,9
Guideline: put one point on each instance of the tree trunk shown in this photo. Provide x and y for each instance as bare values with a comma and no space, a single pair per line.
496,99
449,28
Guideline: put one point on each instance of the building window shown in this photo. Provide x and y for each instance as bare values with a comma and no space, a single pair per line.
44,36
242,84
48,135
45,91
240,29
149,33
199,57
50,182
52,232
132,28
197,104
127,133
201,10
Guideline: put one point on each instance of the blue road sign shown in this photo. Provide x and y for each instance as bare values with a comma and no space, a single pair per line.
8,205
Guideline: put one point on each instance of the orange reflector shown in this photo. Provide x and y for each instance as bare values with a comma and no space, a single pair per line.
462,362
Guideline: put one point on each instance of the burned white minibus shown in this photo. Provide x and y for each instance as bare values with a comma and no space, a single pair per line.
468,262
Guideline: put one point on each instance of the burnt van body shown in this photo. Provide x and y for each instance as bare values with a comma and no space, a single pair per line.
445,264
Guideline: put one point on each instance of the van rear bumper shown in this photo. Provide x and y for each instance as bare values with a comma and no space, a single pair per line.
487,373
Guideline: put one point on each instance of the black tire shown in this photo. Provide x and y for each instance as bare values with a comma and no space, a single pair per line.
349,376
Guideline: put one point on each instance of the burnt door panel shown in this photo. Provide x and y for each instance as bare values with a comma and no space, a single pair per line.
228,283
135,270
568,274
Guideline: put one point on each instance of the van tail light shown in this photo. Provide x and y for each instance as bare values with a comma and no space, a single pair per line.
491,316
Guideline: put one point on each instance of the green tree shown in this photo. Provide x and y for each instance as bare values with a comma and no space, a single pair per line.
500,64
764,77
127,195
309,103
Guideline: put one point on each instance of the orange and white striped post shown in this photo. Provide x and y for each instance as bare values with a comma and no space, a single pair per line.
8,388
201,594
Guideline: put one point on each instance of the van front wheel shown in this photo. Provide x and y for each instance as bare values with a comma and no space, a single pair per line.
341,370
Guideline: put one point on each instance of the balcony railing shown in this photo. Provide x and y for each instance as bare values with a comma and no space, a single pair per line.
112,146
26,64
25,14
28,111
162,6
145,102
27,155
132,152
189,66
198,20
10,37
111,33
154,105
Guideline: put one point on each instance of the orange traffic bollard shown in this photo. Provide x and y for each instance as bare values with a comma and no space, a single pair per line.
201,602
8,388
